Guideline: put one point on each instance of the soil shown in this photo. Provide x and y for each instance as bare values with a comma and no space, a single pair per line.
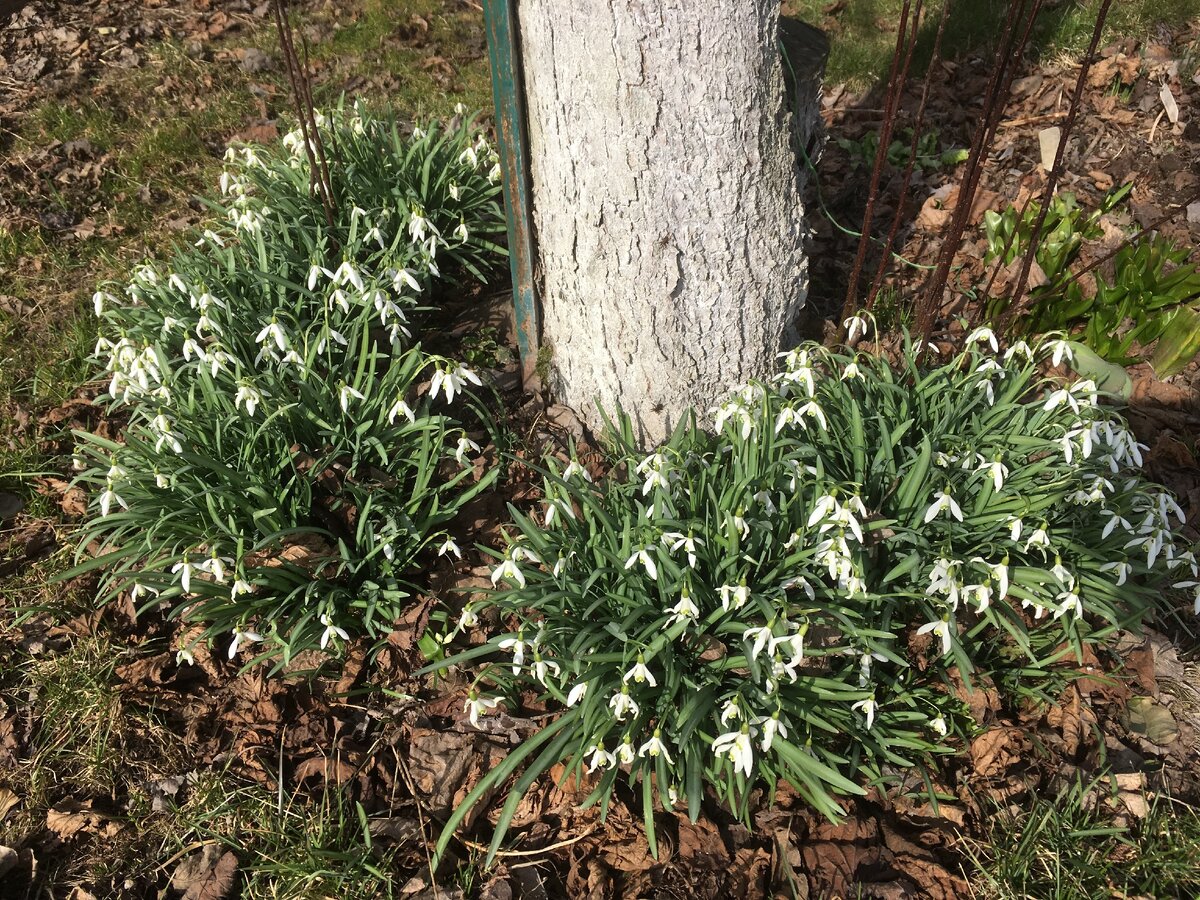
408,755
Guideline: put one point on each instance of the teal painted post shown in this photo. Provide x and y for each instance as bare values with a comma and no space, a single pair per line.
509,99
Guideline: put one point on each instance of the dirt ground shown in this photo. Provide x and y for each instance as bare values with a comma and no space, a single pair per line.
400,745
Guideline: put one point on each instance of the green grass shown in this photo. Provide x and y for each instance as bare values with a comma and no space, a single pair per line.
1071,848
865,36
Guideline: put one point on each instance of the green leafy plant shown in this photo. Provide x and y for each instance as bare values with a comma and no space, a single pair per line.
1151,298
282,474
929,157
798,594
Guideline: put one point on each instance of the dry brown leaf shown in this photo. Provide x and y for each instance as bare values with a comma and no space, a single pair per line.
206,875
71,817
995,750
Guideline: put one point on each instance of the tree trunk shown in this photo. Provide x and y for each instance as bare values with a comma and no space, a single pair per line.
666,200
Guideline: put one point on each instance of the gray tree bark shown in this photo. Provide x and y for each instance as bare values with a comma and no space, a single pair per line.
666,197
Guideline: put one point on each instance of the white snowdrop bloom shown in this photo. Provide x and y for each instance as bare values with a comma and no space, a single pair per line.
758,638
162,425
508,571
419,227
998,573
640,673
813,411
374,234
192,348
687,542
577,694
448,546
854,326
943,500
625,753
573,470
331,631
865,662
465,445
330,334
1123,570
684,610
206,325
185,655
461,231
139,589
347,273
599,758
996,470
982,335
451,381
940,628
1114,519
737,747
734,410
1059,350
642,555
108,498
521,552
455,190
100,300
469,157
771,726
239,588
655,747
1020,348
1068,602
401,408
402,278
240,636
249,395
851,372
1186,558
792,644
216,566
623,705
939,726
273,331
869,707
344,395
184,568
1152,543
1039,538
340,299
493,175
1058,398
515,645
1166,507
475,706
542,668
315,271
734,597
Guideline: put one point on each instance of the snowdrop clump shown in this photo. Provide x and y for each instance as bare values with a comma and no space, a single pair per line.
798,594
281,472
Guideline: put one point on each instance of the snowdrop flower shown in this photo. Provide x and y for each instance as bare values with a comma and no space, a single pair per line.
162,425
684,610
730,711
138,589
401,408
1068,602
344,395
577,693
771,726
517,646
374,234
461,231
600,758
1039,538
943,501
736,746
448,546
108,498
687,542
476,705
812,410
451,381
996,470
574,469
331,631
347,274
940,628
185,579
465,444
625,753
1123,570
868,707
643,556
851,372
939,726
315,271
336,336
758,638
1114,519
215,565
402,278
623,705
998,572
854,325
1020,348
734,597
640,673
541,668
419,226
1060,349
655,747
249,395
469,157
865,662
185,655
239,637
100,299
508,571
982,335
455,190
239,588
